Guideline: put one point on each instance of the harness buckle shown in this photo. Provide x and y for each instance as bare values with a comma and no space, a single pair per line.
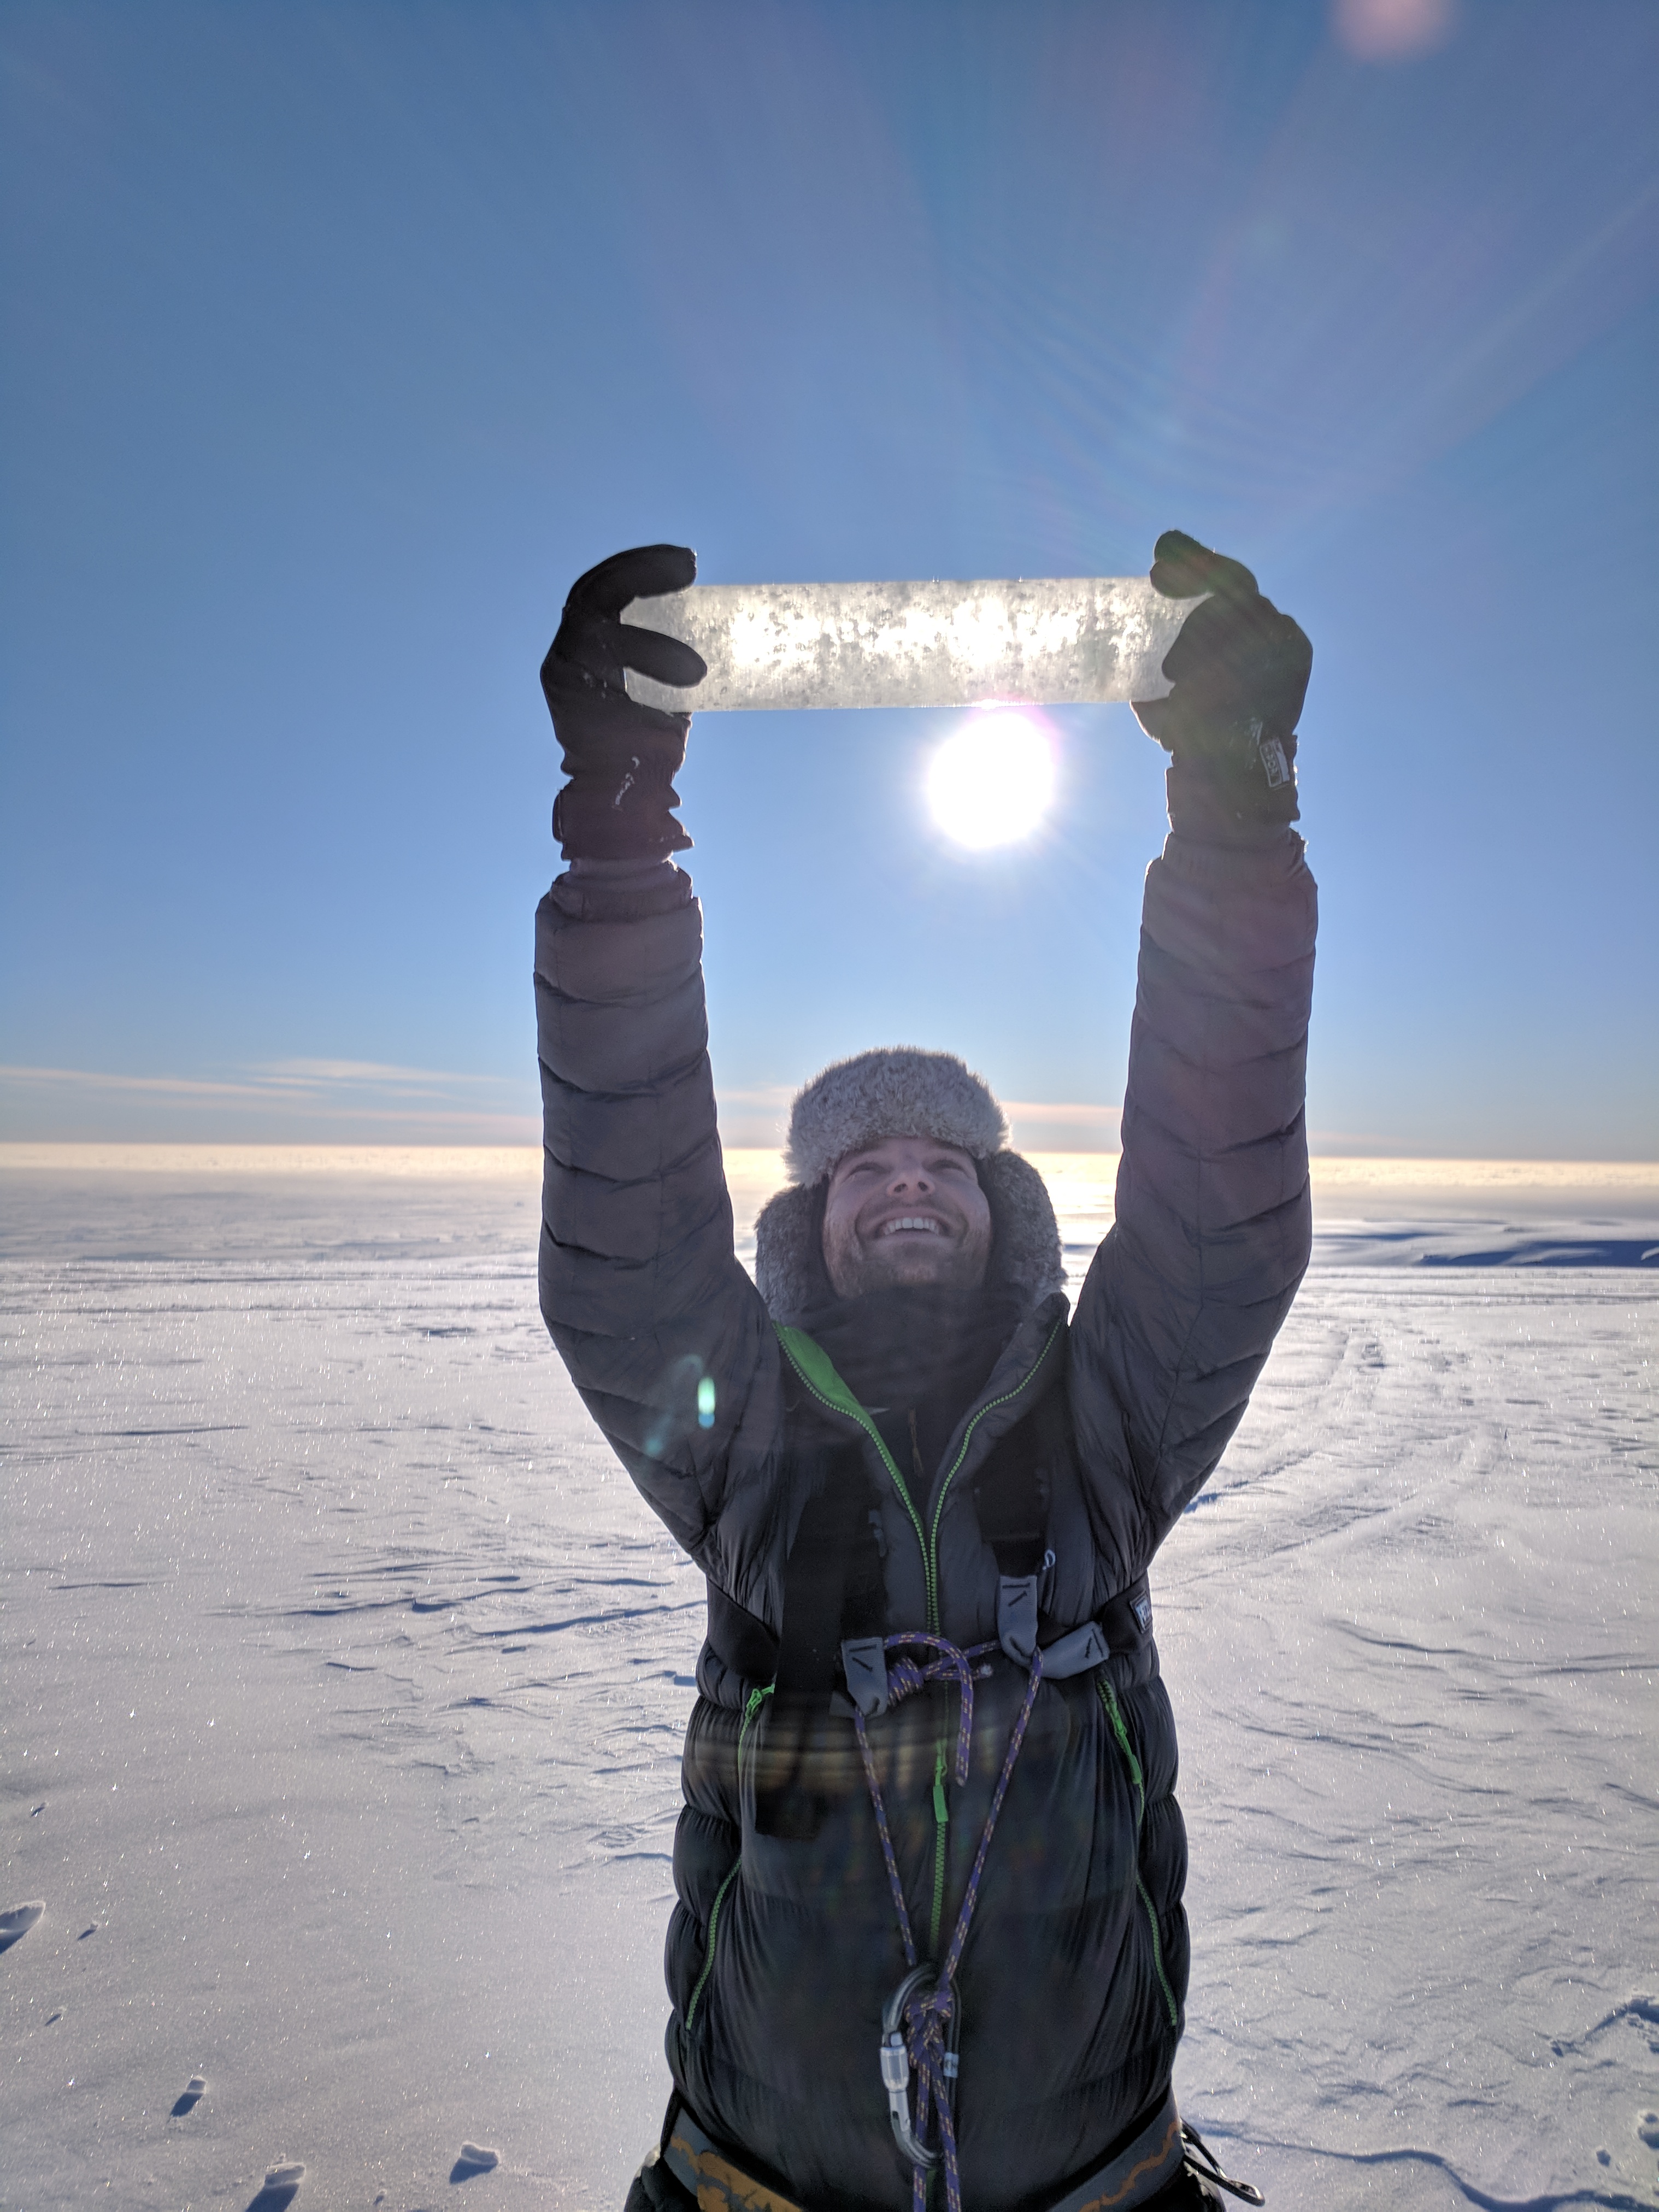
1075,1653
864,1663
1017,1616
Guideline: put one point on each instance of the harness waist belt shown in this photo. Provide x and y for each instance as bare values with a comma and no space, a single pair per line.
720,2184
717,2182
1137,2172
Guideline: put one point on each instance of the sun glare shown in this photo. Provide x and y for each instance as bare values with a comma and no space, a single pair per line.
991,783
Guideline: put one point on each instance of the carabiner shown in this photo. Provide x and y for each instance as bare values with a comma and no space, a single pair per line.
896,2068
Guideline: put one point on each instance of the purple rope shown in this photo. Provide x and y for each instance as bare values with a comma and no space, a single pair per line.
928,2013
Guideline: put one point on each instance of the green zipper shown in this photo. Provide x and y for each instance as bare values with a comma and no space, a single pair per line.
941,1822
1157,1953
1115,1714
757,1697
816,1370
989,1406
812,1364
1119,1729
708,1957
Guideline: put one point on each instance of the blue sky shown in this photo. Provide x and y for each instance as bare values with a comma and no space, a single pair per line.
336,340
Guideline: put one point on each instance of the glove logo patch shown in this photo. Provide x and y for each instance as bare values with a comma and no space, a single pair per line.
1274,765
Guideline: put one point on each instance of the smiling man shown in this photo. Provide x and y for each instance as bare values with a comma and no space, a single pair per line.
930,1931
905,1210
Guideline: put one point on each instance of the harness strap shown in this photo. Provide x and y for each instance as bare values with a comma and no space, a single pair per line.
715,2179
1124,1624
1139,2171
831,1587
1127,2180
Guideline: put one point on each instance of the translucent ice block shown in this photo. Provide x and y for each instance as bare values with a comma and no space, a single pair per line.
1044,640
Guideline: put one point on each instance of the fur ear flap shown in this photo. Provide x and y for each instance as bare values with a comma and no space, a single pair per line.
789,1268
1025,1250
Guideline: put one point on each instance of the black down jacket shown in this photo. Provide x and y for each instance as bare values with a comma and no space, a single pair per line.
784,1944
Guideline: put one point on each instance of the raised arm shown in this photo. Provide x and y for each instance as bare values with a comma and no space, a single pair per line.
663,1333
1213,1225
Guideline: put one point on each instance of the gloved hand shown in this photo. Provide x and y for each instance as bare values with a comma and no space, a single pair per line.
1240,670
621,758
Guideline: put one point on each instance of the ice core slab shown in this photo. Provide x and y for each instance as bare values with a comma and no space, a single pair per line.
1044,640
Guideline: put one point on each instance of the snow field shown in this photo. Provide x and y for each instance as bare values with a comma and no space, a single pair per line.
344,1677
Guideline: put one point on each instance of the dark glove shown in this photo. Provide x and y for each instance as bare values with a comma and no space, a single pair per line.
621,758
1240,670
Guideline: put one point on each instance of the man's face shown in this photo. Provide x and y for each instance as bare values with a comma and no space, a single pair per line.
905,1210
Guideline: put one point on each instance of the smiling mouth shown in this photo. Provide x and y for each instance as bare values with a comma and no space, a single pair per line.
922,1221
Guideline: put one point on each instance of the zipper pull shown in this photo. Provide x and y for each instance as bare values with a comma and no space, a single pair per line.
941,1811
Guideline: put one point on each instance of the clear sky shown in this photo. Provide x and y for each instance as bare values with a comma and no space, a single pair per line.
337,339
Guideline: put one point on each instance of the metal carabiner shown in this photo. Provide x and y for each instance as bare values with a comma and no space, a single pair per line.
896,2068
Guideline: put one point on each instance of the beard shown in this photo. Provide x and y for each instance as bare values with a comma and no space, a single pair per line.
855,1268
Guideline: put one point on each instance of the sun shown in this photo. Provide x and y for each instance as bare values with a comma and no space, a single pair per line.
990,783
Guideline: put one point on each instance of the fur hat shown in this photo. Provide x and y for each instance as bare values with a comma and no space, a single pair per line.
900,1092
894,1091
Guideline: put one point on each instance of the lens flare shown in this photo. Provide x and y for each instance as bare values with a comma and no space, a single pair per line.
991,782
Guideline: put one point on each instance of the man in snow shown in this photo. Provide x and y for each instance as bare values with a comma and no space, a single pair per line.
930,1864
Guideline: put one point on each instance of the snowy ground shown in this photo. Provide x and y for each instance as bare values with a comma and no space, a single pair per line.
345,1678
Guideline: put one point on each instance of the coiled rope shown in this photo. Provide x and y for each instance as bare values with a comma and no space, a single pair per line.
927,2012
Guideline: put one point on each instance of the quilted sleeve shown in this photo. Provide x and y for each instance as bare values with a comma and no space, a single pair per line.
1213,1225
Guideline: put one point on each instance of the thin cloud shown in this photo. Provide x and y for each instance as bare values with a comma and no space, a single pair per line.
295,1097
773,1096
756,1118
1030,1110
317,1073
179,1086
1064,1126
265,1079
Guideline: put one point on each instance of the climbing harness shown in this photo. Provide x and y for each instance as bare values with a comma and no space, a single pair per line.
919,2022
834,1599
1134,2176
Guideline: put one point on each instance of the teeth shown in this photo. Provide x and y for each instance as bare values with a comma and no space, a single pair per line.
911,1221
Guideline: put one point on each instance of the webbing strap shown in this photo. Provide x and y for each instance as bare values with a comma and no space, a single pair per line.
714,2179
832,1587
1138,2171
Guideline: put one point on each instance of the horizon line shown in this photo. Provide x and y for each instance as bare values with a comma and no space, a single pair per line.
425,1155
